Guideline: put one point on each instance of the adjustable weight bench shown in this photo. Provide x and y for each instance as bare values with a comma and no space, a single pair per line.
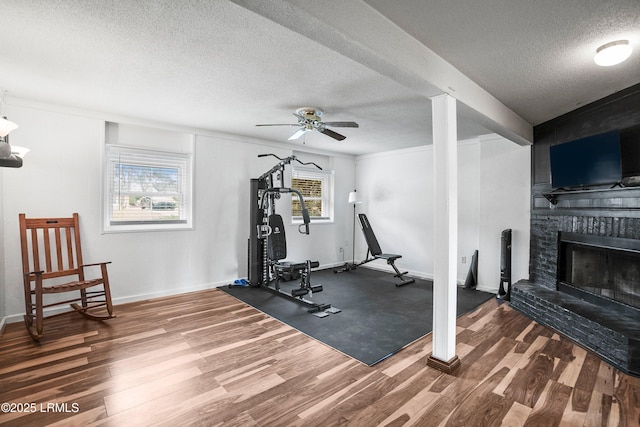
376,252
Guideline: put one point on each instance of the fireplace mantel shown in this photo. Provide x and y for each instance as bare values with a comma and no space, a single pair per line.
622,202
598,197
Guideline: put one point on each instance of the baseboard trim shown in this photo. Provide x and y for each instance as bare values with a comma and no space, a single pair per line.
387,269
170,292
13,318
19,317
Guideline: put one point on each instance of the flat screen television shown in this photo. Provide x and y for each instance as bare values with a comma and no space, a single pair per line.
591,161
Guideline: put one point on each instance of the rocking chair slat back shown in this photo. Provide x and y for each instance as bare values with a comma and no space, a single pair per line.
61,257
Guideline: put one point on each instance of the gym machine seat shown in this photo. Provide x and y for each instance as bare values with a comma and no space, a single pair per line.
285,270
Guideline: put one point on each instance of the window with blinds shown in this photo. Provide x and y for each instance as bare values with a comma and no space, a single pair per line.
146,189
316,188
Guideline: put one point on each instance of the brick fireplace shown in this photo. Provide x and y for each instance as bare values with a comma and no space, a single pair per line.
594,319
585,245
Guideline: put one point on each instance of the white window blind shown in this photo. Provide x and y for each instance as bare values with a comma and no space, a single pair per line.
315,186
146,189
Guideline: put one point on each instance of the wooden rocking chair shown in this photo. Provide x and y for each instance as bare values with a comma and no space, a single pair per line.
51,252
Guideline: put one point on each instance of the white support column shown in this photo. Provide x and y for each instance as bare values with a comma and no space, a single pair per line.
445,166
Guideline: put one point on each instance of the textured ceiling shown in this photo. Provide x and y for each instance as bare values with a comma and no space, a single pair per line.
218,66
536,56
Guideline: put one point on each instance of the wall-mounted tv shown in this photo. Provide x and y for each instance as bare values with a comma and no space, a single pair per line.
586,162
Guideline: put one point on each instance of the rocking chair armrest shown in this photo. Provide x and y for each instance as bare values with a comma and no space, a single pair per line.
37,281
96,263
35,273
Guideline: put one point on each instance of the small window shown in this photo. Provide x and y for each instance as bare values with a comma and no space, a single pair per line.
147,190
317,189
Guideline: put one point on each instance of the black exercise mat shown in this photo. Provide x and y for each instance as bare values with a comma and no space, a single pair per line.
377,318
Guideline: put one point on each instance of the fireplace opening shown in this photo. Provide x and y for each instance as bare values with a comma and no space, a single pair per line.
599,269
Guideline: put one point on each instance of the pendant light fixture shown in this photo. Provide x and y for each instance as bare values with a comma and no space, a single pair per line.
10,157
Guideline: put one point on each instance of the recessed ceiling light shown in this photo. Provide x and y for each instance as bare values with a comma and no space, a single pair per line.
613,53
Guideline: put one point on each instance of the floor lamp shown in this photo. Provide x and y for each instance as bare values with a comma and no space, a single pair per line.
353,200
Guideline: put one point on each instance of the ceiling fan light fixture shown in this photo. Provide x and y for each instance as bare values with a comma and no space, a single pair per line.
613,53
310,119
298,134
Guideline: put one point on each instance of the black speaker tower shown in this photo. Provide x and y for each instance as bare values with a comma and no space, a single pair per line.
505,266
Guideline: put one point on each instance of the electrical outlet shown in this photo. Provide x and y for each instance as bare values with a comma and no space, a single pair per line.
341,250
464,260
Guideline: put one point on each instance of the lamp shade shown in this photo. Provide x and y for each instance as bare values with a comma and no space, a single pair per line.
6,126
353,198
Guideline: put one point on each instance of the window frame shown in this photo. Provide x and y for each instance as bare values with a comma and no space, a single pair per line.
326,176
114,154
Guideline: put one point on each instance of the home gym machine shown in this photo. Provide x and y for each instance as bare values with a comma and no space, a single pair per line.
267,240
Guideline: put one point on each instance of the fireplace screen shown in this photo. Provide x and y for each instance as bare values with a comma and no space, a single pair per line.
602,266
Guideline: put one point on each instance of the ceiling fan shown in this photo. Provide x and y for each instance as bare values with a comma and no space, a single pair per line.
310,118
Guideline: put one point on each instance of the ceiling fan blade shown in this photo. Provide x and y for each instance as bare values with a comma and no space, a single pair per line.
342,124
281,124
332,134
297,135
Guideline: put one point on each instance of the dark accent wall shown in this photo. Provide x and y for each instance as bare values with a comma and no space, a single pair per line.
606,212
618,111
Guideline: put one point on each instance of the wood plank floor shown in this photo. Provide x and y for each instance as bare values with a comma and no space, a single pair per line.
207,359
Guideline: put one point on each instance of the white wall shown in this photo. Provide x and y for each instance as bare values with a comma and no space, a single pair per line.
505,189
62,175
397,190
468,204
2,264
493,180
326,250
